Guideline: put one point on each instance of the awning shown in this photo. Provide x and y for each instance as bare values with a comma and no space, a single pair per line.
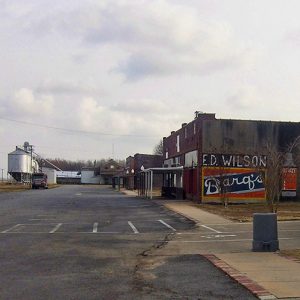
148,173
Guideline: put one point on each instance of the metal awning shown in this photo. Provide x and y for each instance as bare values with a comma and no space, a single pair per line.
163,170
148,173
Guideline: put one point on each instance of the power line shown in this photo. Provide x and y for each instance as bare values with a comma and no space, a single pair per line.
75,130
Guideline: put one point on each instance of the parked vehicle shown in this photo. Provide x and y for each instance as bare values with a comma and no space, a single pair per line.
39,180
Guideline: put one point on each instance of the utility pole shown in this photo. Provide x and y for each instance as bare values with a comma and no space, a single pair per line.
31,150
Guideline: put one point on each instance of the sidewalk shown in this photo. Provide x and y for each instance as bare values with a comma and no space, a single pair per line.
187,209
267,275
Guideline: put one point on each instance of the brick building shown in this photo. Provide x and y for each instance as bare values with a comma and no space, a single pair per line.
207,147
109,170
138,162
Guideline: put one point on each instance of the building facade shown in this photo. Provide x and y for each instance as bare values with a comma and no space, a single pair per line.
210,148
109,170
138,162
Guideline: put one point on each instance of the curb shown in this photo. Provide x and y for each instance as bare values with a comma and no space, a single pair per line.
181,214
289,257
240,278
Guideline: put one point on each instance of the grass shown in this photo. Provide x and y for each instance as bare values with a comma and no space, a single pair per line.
244,212
292,253
18,187
12,187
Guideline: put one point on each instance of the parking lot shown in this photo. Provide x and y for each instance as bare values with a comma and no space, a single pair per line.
85,242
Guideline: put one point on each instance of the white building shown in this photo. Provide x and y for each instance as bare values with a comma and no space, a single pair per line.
90,176
51,175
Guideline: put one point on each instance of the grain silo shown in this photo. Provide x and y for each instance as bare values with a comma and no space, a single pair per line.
22,163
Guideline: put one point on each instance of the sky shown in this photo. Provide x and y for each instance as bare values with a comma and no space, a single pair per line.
108,79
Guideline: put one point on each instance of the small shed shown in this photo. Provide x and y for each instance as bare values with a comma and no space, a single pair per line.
90,176
51,174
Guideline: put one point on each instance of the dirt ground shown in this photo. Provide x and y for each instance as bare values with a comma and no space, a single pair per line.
292,253
13,187
244,212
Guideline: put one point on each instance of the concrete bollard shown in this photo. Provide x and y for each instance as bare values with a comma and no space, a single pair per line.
265,234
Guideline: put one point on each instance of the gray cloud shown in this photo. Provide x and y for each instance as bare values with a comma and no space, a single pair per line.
67,88
150,107
157,37
292,37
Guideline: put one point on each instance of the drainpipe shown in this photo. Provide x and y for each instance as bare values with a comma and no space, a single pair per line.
151,184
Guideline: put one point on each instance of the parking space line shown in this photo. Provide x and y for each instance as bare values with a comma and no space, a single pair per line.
42,219
207,227
11,228
219,240
133,227
55,228
167,225
95,228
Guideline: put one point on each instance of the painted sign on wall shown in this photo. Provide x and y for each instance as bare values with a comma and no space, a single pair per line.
234,160
232,183
289,182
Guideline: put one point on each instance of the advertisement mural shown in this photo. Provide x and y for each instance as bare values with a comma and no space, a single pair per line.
233,176
233,183
234,160
289,182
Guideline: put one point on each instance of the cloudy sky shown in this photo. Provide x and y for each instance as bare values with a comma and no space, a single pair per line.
97,79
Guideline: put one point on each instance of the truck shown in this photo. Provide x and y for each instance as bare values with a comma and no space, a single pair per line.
39,180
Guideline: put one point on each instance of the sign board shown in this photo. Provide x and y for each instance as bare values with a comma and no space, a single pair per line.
232,183
289,182
234,160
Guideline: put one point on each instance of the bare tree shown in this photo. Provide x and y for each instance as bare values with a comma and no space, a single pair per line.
272,176
222,186
158,149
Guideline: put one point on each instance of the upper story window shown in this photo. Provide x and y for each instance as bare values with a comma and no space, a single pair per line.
194,128
177,144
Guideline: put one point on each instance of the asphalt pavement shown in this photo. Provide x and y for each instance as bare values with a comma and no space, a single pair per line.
228,245
90,242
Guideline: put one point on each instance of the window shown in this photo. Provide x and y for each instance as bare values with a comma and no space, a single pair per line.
194,128
177,144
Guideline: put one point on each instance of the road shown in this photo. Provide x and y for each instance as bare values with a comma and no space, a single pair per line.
90,242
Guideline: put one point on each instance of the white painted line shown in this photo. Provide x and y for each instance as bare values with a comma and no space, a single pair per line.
55,228
229,224
42,219
217,236
11,228
95,228
207,227
45,215
201,233
210,241
219,241
108,232
38,224
133,227
139,206
58,232
167,225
